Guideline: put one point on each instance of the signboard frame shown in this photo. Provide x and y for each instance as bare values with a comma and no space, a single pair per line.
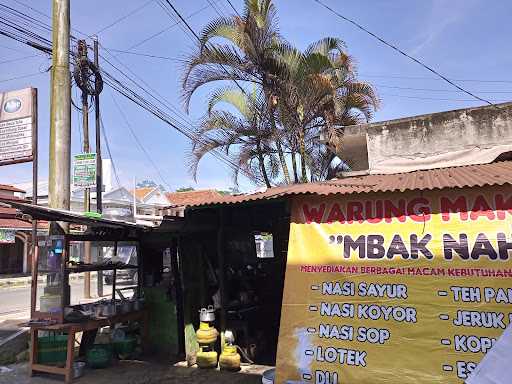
33,122
395,287
89,169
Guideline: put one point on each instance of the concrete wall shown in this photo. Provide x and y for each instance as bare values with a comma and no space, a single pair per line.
461,137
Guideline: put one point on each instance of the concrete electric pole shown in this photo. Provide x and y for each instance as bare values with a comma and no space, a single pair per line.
60,110
99,168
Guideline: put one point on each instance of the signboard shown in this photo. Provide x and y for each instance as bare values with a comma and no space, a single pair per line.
84,170
395,288
7,236
17,126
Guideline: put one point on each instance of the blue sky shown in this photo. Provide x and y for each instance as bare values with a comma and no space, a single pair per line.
463,39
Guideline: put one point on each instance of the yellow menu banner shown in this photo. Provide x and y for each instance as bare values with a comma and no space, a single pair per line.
395,288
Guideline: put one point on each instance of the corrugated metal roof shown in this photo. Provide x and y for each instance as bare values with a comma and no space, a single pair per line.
499,173
188,198
12,188
14,224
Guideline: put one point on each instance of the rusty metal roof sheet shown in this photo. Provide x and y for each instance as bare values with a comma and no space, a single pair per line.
499,173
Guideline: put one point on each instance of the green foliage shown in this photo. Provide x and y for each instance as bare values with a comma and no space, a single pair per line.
290,97
185,189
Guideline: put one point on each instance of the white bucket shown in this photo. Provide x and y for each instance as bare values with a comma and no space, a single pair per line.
268,376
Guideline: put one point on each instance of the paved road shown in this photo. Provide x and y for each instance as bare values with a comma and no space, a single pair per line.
17,300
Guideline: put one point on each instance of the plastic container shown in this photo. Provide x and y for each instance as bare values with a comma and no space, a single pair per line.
206,334
125,346
78,369
50,303
268,376
52,349
99,356
206,359
229,359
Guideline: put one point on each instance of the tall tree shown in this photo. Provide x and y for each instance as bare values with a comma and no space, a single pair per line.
301,95
240,49
241,131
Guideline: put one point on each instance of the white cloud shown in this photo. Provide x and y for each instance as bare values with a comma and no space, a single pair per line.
443,15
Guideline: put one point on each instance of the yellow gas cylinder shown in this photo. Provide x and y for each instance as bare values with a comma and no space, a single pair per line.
206,359
206,334
229,359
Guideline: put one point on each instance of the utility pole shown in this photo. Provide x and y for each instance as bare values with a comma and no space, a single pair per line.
60,110
83,65
99,169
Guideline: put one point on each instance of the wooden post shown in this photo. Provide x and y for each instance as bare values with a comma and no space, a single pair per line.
70,355
178,285
33,284
221,258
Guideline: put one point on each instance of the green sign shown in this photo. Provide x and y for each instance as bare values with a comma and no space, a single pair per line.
84,170
7,236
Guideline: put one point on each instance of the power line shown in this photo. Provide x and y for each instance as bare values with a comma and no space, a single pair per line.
124,17
233,8
434,78
22,77
18,59
139,143
107,144
435,98
145,55
401,52
165,29
217,11
25,37
433,89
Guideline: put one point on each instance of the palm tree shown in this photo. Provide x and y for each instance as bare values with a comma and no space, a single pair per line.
245,55
321,94
244,136
300,95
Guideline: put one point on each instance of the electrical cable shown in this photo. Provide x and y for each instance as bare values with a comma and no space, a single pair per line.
107,145
435,98
45,46
145,55
433,89
403,53
435,78
124,17
165,29
139,143
215,8
233,8
21,77
18,59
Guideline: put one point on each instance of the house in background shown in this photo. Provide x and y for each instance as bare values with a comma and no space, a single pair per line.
468,136
15,235
177,202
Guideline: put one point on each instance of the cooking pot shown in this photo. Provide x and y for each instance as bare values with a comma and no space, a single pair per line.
207,314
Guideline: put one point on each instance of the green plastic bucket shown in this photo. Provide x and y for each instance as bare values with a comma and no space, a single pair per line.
125,346
99,356
52,349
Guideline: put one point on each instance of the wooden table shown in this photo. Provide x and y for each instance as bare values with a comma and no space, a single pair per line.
72,329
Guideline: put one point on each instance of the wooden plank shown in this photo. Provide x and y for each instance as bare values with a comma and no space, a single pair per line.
49,369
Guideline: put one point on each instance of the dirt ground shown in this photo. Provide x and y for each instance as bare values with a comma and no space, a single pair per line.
137,372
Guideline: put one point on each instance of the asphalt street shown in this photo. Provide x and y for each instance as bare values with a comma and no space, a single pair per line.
17,300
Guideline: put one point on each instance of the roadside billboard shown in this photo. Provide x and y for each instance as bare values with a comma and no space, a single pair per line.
17,125
84,170
395,288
